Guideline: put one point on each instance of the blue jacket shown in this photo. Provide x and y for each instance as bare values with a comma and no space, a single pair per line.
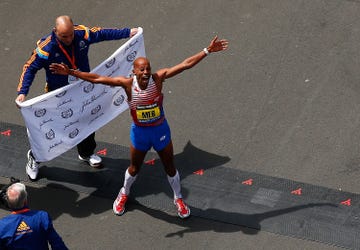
29,229
48,51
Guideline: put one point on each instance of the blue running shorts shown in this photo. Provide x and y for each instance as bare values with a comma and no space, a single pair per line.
145,137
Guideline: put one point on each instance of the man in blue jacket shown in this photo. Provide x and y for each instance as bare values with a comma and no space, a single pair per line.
25,228
69,44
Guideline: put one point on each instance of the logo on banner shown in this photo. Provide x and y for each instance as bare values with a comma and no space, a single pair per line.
131,57
67,113
88,88
73,133
96,109
50,135
40,112
110,63
118,101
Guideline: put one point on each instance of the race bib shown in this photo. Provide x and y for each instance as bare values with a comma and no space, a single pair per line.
148,113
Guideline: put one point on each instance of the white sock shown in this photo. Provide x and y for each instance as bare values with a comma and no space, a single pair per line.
175,185
129,180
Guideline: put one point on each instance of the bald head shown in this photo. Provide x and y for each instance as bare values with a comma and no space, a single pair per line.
141,61
63,21
141,64
64,29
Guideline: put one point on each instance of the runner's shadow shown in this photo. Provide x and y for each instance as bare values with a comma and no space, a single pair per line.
107,182
75,177
247,223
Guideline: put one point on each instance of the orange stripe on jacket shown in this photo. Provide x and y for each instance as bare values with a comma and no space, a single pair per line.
82,27
27,64
40,45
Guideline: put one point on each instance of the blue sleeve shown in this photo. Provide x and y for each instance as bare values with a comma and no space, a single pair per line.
54,238
31,67
4,233
97,34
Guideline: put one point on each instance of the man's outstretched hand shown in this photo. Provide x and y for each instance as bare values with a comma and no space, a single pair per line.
217,45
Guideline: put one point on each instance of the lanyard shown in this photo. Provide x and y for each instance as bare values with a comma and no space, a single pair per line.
20,211
72,58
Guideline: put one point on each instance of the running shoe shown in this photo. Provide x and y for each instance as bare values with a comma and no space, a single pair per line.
93,160
32,167
119,203
183,209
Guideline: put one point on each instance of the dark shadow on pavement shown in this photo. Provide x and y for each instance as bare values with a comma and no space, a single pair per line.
251,223
107,182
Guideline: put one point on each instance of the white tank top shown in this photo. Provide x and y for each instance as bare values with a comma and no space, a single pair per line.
146,106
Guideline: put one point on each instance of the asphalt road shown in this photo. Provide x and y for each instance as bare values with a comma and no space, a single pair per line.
282,101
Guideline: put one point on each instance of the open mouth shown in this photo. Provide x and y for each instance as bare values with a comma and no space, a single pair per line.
145,78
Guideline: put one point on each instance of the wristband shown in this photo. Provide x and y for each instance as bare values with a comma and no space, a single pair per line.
206,51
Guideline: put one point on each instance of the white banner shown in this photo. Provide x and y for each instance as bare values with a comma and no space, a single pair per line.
57,121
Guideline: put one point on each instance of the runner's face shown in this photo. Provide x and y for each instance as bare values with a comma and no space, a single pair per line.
65,34
142,71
